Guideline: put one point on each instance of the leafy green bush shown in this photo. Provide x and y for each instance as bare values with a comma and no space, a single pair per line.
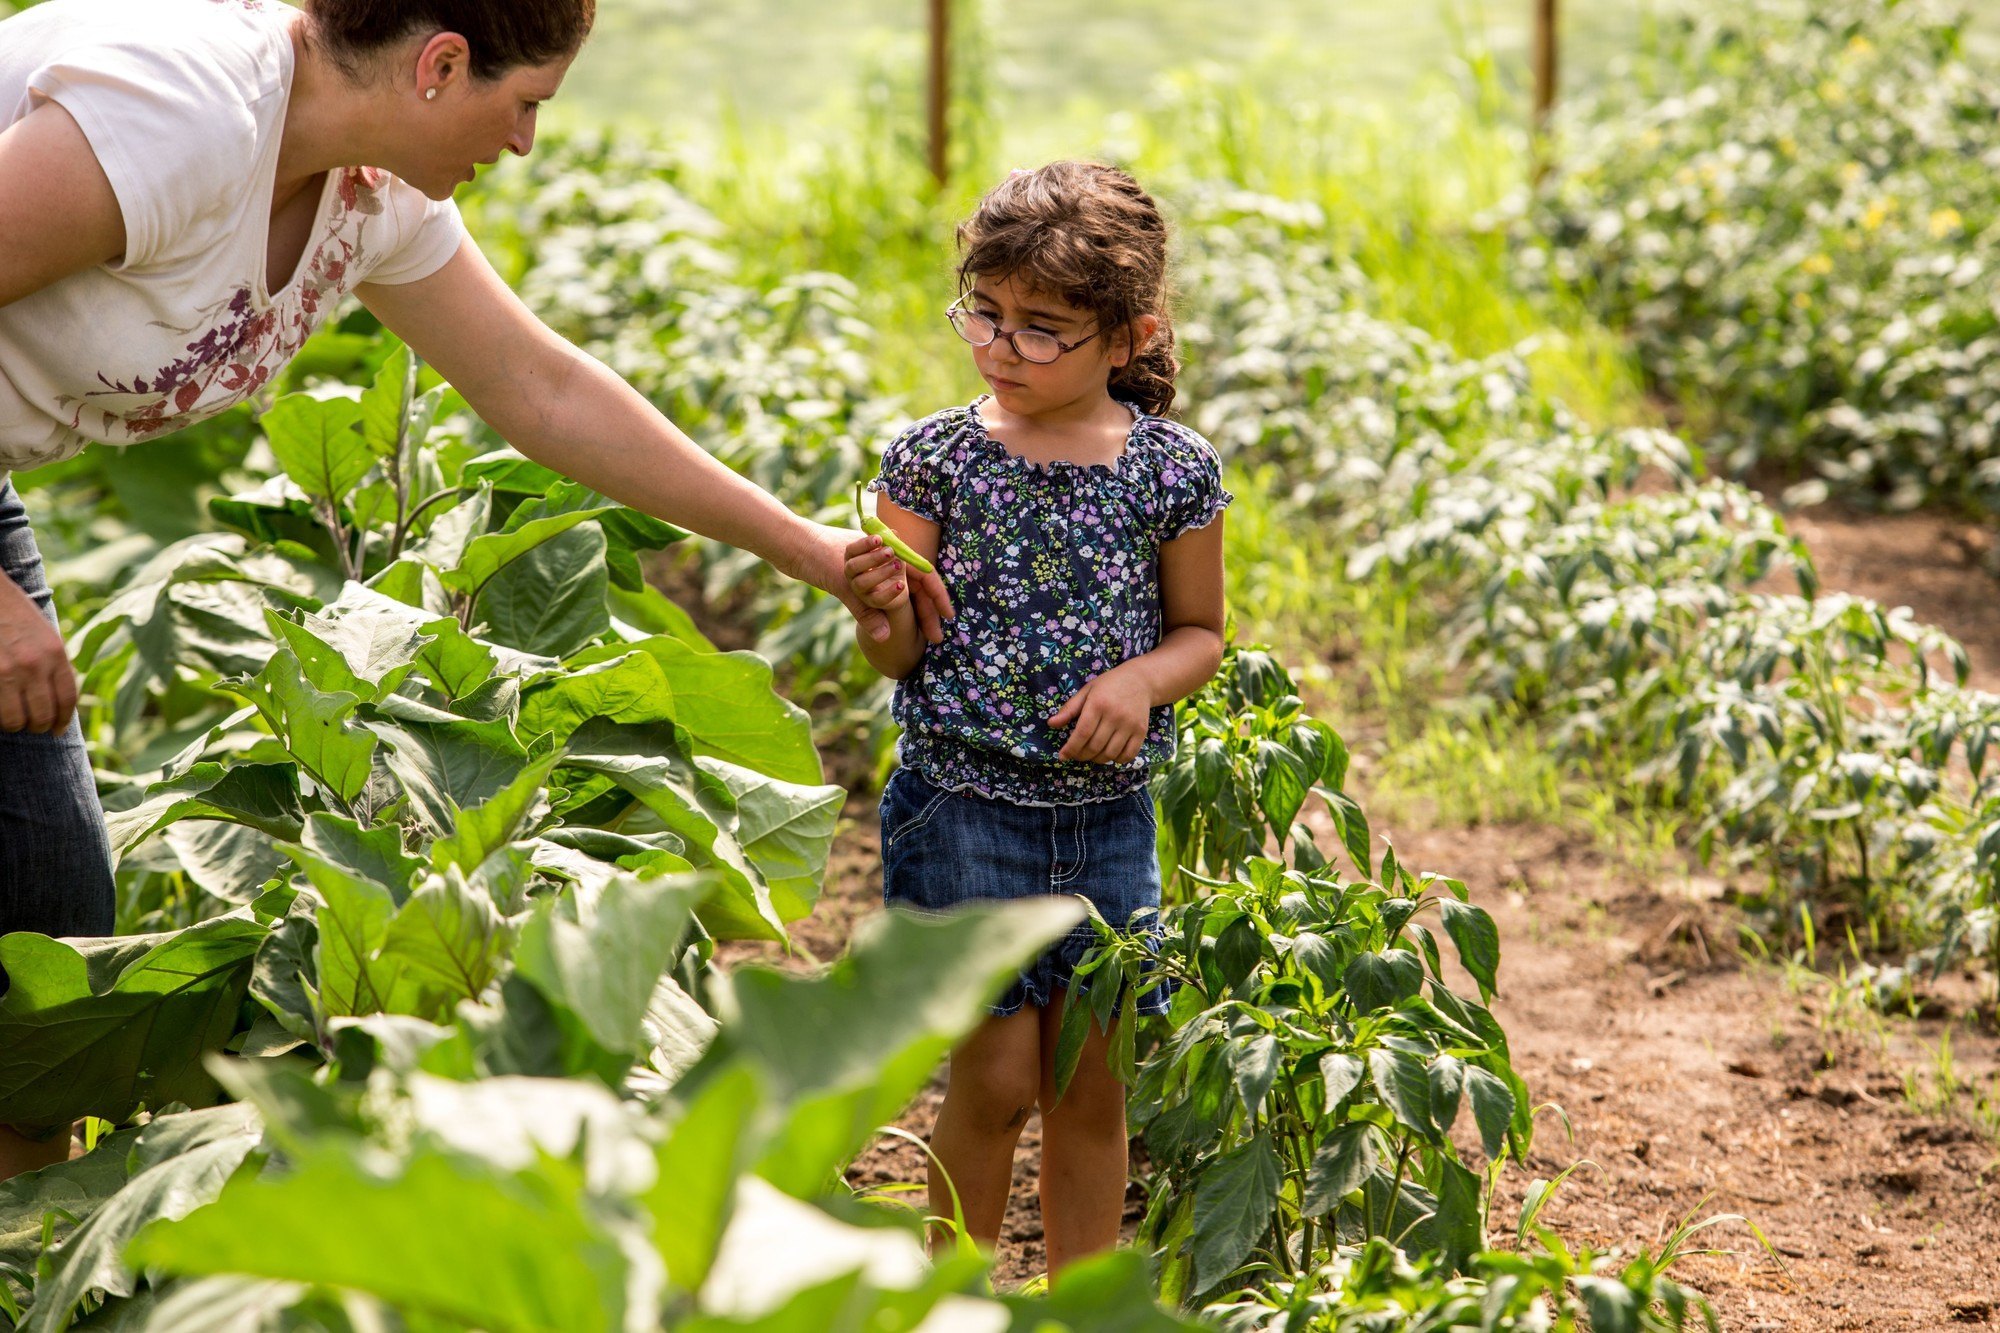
1794,230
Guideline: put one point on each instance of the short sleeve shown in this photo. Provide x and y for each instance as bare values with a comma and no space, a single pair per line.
1192,494
913,473
428,234
173,136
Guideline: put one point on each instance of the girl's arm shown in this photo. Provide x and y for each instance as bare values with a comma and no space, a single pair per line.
1113,710
881,581
563,407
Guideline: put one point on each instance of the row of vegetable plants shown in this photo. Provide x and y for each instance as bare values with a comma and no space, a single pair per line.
1595,579
1790,208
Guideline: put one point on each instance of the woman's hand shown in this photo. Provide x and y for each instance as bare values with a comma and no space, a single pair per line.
1111,714
37,683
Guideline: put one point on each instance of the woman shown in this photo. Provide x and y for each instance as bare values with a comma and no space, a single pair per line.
187,189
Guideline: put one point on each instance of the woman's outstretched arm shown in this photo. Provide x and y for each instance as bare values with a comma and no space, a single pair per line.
564,408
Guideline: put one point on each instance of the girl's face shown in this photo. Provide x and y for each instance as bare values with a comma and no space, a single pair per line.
1024,387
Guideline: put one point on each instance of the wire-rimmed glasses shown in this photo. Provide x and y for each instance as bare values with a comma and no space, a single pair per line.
1033,345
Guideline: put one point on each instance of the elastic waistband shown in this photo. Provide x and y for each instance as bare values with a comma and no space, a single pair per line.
1008,777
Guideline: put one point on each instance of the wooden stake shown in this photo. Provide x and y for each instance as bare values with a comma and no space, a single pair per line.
1547,71
940,89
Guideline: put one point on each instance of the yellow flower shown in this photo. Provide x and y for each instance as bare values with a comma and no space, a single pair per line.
1802,300
1850,173
1818,265
1859,45
1878,213
1944,222
1829,91
1790,146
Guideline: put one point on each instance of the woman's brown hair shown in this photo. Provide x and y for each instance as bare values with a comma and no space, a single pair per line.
503,34
1086,233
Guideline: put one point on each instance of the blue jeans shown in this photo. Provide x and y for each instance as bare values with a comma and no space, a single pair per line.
55,860
942,847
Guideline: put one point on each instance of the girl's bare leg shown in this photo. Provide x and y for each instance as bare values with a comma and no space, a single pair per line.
995,1077
1084,1140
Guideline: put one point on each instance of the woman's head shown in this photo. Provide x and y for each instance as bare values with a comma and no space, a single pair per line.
1082,241
473,71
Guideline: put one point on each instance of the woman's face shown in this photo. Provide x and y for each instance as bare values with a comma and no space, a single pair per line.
471,121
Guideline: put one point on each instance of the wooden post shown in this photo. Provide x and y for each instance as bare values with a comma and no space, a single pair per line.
1547,69
1547,51
940,89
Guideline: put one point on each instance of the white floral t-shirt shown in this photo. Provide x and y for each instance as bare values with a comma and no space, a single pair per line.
183,102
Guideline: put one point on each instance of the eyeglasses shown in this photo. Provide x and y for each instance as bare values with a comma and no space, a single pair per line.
1032,345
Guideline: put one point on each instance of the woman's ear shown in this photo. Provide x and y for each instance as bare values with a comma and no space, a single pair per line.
441,59
1133,339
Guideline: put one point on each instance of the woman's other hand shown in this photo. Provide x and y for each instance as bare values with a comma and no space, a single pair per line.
37,683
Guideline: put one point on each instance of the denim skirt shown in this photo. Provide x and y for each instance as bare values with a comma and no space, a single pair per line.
942,847
55,860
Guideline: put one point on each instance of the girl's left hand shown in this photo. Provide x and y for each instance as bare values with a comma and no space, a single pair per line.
1111,714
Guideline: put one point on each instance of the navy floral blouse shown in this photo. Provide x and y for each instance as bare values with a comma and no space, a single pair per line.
1054,572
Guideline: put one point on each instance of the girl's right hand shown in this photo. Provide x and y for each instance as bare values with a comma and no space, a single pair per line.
876,575
37,683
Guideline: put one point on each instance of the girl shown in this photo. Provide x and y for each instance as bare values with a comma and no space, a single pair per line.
1080,533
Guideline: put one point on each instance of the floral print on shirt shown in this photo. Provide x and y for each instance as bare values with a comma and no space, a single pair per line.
239,343
1054,572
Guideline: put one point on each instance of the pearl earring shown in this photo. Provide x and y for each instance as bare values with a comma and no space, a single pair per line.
430,94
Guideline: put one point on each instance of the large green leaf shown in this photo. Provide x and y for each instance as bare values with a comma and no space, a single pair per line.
1383,980
551,600
317,444
725,701
1233,1202
104,1026
316,726
653,764
600,955
531,525
446,767
1478,941
842,1053
700,1161
1492,1107
231,861
1404,1087
786,831
1106,1293
1344,1159
263,796
209,1150
479,832
446,1235
364,642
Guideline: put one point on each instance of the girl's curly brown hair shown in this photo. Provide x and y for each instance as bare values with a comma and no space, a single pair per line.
1086,233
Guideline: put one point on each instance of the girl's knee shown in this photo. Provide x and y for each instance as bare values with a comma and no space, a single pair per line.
995,1094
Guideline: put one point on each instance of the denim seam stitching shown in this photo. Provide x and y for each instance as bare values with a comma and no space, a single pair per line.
919,819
